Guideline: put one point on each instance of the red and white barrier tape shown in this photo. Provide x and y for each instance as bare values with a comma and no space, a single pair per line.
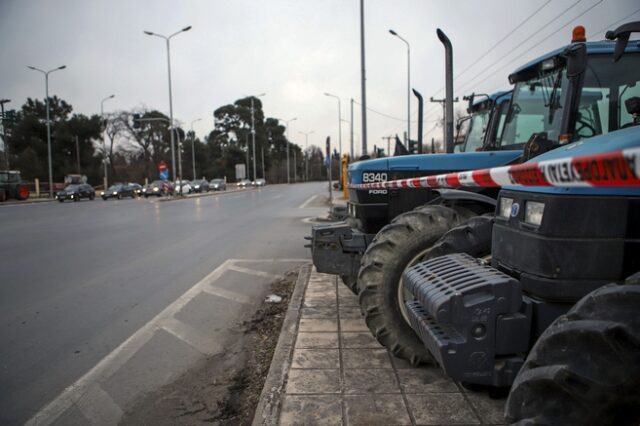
612,169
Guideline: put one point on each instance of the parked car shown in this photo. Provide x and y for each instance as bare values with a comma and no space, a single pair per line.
260,182
183,187
75,192
218,185
244,183
201,185
118,191
137,188
157,188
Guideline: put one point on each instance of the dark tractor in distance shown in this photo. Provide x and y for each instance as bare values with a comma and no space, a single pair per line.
11,186
556,312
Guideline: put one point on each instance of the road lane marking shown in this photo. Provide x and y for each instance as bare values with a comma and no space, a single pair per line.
253,272
120,355
194,338
94,402
236,196
226,294
304,205
98,407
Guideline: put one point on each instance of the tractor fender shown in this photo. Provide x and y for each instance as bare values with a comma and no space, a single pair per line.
457,194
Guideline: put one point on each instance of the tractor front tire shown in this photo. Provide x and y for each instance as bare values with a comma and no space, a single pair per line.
400,244
585,368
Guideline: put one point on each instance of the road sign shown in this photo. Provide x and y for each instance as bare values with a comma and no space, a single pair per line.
162,166
241,171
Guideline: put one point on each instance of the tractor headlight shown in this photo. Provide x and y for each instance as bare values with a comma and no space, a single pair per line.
115,192
533,212
101,192
504,207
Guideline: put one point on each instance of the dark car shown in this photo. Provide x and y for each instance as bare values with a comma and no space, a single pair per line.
118,191
157,188
218,185
200,185
75,192
137,188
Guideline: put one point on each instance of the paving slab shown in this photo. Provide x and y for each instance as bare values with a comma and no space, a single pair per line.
330,370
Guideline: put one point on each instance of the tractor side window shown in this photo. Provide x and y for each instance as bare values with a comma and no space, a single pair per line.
607,85
627,92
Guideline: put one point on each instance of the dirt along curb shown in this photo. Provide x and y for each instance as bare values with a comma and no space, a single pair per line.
268,409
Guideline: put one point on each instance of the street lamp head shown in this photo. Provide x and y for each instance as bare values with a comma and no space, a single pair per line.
186,28
260,95
61,67
148,33
32,68
327,94
111,97
393,32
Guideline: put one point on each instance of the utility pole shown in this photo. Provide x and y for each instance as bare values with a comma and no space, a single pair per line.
351,131
363,80
388,139
443,102
78,154
247,143
263,174
295,167
4,132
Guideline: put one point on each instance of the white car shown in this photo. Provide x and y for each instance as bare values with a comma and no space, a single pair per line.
183,187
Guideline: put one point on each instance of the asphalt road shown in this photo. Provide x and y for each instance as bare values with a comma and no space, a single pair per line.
79,279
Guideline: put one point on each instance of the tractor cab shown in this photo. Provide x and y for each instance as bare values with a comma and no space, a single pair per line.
486,118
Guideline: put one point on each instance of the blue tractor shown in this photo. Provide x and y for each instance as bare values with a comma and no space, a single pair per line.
544,296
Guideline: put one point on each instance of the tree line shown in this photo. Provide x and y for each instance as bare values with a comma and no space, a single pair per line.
137,140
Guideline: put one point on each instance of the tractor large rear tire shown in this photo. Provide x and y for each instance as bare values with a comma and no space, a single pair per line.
402,243
585,368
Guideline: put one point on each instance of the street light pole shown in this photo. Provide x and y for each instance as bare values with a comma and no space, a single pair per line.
306,154
408,84
193,150
46,88
167,39
104,145
287,125
339,124
4,131
253,135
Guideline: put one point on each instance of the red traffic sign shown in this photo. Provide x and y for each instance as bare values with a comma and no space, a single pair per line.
162,166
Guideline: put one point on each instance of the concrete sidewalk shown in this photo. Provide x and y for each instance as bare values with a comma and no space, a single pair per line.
329,370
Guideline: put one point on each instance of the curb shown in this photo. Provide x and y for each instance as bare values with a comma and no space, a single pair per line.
27,201
268,410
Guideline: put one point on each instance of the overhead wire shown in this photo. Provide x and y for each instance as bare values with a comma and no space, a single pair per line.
491,65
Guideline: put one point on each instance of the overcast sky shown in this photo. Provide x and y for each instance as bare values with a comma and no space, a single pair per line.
293,50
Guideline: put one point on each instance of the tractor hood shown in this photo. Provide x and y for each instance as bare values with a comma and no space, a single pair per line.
614,141
430,164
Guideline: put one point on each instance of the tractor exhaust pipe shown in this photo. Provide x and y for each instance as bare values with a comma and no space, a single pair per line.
448,112
420,113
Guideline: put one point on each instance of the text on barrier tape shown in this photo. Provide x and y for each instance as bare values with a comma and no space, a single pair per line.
612,169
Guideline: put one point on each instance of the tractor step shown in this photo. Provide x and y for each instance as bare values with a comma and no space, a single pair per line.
470,316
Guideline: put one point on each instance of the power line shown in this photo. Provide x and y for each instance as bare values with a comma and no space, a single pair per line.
543,40
385,115
513,51
608,27
516,28
526,51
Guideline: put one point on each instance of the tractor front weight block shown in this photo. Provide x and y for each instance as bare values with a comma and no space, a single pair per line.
471,317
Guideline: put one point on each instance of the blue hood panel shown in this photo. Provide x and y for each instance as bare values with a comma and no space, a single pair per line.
431,164
615,141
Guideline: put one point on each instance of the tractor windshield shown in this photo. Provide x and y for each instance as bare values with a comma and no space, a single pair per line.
536,107
475,133
607,87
